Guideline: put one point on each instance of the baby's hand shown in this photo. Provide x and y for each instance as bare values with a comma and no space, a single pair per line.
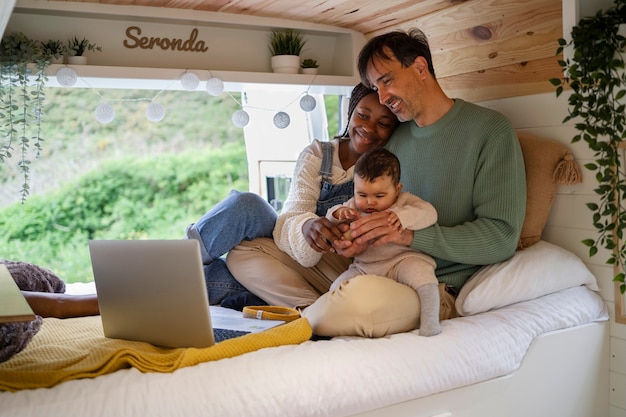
394,221
346,213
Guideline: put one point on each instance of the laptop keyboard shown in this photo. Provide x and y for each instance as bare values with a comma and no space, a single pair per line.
224,334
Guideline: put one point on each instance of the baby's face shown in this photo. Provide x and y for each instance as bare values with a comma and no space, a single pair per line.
374,196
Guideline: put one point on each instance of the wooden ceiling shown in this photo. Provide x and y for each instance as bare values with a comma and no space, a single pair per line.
482,49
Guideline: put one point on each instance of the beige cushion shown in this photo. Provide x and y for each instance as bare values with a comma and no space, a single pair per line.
548,163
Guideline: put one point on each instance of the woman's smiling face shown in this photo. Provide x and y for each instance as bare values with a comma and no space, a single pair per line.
371,124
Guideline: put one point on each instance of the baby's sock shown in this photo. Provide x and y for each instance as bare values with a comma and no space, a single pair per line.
429,314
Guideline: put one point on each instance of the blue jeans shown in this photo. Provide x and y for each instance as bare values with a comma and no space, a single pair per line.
240,216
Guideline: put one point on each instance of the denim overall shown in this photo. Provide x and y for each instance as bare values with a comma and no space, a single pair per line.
245,216
331,195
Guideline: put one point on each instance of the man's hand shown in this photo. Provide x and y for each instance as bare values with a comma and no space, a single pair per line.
376,230
349,248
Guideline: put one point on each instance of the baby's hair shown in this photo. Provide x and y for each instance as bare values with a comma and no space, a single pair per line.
376,163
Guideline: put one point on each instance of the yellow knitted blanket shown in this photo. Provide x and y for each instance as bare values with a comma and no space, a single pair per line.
76,348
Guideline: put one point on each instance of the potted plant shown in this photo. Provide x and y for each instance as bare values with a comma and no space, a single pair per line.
22,78
76,49
285,47
309,66
594,70
53,51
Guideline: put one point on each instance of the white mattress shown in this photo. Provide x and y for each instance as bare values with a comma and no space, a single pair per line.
339,377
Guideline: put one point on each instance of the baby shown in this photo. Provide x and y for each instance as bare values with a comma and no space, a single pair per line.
377,188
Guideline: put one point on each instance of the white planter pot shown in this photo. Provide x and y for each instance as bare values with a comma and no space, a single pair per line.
311,71
56,60
286,64
77,60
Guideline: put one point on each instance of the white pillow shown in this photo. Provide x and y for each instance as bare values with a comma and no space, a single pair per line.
541,269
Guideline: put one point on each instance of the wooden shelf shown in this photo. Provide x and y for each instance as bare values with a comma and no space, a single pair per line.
229,46
96,76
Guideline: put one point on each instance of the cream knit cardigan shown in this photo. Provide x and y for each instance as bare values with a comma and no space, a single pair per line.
301,202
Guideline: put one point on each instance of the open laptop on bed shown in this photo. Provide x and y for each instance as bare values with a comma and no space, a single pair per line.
154,291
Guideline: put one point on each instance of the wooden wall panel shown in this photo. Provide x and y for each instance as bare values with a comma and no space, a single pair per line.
501,47
505,81
506,50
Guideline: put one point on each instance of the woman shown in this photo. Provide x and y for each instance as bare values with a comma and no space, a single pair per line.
299,263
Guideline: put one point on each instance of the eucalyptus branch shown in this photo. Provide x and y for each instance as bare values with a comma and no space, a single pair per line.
23,163
7,109
21,100
39,96
595,73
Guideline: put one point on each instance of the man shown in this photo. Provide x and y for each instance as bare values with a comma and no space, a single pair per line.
462,158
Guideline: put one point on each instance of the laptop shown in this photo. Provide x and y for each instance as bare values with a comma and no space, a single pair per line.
154,291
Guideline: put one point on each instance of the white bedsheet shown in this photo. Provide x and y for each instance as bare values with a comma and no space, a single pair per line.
339,377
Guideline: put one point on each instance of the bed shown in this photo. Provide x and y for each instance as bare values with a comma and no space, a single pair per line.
531,340
528,357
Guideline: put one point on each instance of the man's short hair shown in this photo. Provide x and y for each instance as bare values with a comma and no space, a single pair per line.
405,47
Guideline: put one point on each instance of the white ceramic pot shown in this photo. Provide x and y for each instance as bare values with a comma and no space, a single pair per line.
286,64
311,71
77,60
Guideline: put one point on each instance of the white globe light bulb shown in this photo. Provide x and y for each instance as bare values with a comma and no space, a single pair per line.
104,113
189,81
281,120
66,77
155,112
240,118
215,86
307,103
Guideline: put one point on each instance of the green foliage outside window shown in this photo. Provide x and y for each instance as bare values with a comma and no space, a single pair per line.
127,198
129,179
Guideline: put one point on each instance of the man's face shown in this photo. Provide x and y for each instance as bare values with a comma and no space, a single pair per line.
399,88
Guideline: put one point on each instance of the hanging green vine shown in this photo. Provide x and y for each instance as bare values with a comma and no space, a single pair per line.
595,74
21,101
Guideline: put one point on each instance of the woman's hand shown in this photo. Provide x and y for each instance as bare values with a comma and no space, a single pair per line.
320,233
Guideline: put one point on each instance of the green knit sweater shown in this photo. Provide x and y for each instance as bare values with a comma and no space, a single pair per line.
469,165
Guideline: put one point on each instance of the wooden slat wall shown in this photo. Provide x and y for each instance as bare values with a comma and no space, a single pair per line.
482,49
506,81
506,51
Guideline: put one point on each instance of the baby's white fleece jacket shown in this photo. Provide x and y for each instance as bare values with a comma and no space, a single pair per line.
413,212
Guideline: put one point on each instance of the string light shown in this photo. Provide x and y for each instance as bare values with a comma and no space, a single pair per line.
66,76
215,86
155,112
307,103
240,118
105,113
281,120
189,81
